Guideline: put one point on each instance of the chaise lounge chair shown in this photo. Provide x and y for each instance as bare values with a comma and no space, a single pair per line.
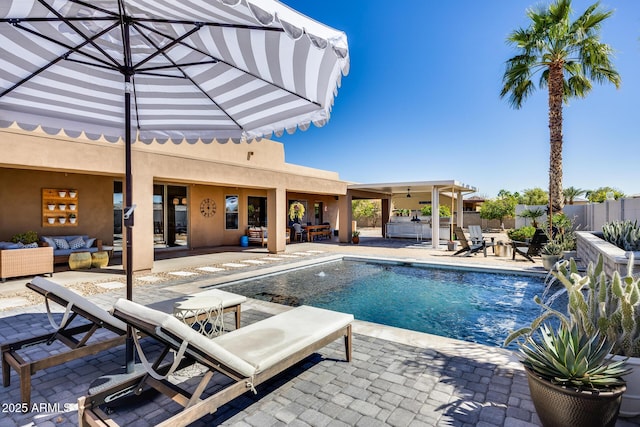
247,356
468,249
95,318
76,338
533,247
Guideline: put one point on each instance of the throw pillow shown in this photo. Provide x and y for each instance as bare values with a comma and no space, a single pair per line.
61,243
77,243
89,242
31,245
49,241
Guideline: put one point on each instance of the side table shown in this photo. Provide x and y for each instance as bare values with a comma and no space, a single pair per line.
203,313
79,260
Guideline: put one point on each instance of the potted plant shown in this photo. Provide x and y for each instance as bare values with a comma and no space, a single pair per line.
28,237
72,218
72,193
609,305
572,379
62,206
551,253
62,193
51,206
51,220
355,237
72,206
62,219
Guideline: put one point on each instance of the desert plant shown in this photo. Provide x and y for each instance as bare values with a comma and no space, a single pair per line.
608,305
26,237
552,248
569,357
521,234
355,233
623,234
533,215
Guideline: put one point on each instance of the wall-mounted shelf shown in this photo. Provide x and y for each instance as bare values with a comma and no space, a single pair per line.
59,207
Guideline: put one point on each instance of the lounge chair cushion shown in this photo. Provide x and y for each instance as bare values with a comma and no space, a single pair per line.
254,348
179,329
79,301
228,299
265,343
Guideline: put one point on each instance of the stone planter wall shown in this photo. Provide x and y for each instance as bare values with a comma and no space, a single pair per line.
590,245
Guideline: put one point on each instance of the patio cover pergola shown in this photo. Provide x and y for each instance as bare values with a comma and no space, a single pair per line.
453,188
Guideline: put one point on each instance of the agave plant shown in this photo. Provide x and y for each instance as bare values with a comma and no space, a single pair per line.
623,234
569,357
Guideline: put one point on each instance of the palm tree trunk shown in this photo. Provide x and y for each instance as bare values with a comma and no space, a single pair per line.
555,133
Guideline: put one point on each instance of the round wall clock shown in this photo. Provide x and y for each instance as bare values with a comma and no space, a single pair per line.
208,207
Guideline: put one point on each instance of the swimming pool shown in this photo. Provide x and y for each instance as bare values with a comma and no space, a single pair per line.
473,306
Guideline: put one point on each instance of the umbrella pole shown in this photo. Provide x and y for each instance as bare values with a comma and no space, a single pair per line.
129,357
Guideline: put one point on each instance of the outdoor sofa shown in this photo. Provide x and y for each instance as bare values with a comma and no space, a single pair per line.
63,246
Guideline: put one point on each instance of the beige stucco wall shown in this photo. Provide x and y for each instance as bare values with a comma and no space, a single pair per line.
208,170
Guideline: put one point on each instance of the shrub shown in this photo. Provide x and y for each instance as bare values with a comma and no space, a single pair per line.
26,237
445,212
521,234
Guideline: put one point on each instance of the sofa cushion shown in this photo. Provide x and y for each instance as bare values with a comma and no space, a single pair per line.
89,242
77,243
59,252
30,245
10,245
61,243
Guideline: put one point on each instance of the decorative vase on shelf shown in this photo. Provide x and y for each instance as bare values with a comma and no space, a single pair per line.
62,193
51,220
62,220
72,207
62,206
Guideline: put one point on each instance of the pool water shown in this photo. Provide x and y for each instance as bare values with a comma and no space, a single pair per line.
472,306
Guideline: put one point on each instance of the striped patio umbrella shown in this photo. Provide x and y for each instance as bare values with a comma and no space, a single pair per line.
154,70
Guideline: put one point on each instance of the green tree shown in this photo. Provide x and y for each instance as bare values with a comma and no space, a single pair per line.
368,211
571,193
599,195
534,196
444,211
498,208
569,56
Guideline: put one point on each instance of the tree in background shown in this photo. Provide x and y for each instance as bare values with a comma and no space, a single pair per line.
367,212
444,211
568,55
572,193
599,195
534,196
502,207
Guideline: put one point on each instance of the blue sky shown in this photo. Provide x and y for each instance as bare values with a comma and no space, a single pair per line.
422,100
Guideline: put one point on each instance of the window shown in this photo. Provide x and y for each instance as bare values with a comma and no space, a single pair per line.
257,211
231,213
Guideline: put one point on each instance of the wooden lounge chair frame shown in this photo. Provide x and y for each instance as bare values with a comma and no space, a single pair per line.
468,249
75,338
533,247
90,413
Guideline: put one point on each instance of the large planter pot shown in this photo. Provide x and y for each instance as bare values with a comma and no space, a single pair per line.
548,261
631,398
564,407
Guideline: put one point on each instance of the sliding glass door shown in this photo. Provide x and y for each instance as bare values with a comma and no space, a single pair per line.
170,216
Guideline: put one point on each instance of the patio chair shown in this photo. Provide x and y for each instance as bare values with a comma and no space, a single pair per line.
533,247
476,237
248,356
466,248
298,232
76,338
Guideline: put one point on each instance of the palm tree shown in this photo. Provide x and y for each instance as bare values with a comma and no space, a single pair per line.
571,193
568,56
